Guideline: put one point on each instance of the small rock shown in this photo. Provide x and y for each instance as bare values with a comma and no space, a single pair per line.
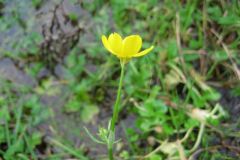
9,71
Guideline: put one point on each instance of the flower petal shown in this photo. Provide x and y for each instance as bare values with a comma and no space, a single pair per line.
107,45
131,45
143,52
115,43
105,42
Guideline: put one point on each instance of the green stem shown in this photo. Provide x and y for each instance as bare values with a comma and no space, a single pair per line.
116,106
115,115
110,152
7,132
199,138
68,149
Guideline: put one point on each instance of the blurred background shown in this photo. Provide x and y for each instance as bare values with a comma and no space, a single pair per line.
56,78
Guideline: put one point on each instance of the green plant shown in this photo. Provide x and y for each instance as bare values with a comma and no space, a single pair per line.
26,112
125,49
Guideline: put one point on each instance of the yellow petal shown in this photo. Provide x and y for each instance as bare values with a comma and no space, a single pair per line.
143,52
131,45
105,42
115,43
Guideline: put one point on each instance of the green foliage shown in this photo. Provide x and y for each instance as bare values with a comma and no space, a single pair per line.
160,90
37,3
25,115
236,91
73,17
80,99
155,157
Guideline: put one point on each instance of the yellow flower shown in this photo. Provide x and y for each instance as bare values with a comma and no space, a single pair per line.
126,48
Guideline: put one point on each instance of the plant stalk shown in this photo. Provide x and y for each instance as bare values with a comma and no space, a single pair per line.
199,138
111,135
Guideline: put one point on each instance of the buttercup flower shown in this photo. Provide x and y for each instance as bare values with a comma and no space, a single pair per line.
126,48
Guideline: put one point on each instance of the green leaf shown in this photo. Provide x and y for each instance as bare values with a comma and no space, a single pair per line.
4,114
88,112
211,95
191,57
92,137
214,122
155,157
231,19
18,146
167,129
73,16
236,91
195,44
172,49
220,55
191,123
72,106
35,139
